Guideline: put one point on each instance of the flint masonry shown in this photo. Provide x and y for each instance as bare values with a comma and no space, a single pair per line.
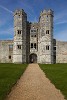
33,42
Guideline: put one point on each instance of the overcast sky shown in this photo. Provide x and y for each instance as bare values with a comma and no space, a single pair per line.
33,9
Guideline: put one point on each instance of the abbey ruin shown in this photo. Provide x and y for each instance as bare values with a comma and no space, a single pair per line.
33,42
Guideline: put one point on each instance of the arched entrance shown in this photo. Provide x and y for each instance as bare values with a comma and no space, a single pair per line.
33,58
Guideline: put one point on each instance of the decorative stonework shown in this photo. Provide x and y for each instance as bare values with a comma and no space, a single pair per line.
33,41
20,20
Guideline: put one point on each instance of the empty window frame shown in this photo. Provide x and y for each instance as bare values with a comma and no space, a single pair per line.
33,30
33,35
9,56
31,45
35,45
19,31
54,48
47,31
47,47
19,46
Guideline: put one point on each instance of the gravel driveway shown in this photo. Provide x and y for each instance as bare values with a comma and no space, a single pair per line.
33,85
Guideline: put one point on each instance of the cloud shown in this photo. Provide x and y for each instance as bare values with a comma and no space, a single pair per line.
29,10
60,18
60,15
6,9
61,22
7,31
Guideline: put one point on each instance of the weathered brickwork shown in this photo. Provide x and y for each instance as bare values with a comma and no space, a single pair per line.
33,42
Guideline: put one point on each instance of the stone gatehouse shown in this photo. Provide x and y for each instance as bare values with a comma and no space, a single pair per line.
33,42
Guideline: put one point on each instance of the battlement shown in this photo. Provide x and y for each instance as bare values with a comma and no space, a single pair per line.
47,12
20,12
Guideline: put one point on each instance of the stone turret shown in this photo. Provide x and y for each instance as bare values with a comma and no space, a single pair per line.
45,37
19,48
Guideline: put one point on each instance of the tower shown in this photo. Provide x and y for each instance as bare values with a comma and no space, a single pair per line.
45,37
19,47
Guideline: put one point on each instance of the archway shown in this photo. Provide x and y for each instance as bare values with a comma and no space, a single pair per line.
33,58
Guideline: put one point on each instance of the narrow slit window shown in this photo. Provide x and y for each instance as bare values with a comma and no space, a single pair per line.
47,31
19,31
35,45
19,46
54,48
47,47
9,56
31,45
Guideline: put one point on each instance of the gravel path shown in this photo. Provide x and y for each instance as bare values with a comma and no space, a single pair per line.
33,85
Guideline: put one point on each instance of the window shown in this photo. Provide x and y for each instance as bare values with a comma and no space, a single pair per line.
33,35
19,46
54,48
19,31
19,15
31,45
10,47
10,57
47,47
47,31
33,30
35,45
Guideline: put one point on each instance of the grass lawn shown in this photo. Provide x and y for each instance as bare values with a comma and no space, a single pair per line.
9,74
57,73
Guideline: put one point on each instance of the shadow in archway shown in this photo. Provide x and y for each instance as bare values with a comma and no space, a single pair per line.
33,58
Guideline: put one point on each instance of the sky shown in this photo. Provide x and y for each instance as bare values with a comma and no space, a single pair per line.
33,9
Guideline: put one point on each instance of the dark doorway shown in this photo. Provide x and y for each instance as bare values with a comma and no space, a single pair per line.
33,58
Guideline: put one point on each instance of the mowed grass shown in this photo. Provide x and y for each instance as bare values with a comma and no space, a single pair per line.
57,73
9,74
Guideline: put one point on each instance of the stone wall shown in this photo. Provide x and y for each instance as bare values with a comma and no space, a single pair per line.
61,52
45,37
34,38
6,51
19,48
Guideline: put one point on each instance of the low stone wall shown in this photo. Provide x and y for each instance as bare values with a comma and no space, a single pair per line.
61,52
6,51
